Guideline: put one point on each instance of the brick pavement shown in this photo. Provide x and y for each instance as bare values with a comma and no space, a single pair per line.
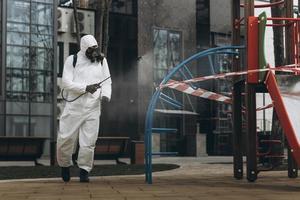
190,182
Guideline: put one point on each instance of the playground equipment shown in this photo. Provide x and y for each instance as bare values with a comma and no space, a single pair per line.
182,71
260,78
262,82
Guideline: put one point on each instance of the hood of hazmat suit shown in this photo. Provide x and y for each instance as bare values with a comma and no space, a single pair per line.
75,79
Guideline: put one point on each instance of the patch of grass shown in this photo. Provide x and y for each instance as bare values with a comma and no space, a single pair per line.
98,170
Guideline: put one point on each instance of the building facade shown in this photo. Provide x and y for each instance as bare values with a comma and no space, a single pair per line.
28,73
166,36
144,43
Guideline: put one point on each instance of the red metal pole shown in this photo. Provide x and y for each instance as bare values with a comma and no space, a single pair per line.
297,43
266,5
283,18
287,24
293,49
252,49
282,115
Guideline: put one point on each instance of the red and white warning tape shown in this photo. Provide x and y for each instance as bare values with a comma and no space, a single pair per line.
184,87
264,107
199,92
287,68
261,108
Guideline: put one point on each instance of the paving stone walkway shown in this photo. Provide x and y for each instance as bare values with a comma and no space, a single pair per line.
192,181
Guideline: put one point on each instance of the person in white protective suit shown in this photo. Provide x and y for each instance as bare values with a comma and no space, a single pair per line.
80,118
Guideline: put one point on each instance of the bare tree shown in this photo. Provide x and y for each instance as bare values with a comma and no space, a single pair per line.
105,26
99,20
102,22
277,11
76,23
278,42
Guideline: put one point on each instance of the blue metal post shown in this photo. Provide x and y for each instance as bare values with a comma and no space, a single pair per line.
156,95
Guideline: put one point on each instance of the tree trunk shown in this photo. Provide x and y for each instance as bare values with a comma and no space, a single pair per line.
76,23
102,22
276,11
105,36
277,132
99,22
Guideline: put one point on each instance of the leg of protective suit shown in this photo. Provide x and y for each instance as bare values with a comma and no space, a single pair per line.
88,134
66,138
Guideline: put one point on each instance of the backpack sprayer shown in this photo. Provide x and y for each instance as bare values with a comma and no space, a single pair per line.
67,100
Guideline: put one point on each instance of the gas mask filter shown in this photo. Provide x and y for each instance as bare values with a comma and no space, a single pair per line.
94,54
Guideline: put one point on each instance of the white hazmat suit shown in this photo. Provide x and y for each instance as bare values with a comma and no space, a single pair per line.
80,119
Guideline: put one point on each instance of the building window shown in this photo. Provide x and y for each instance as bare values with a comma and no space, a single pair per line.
18,11
202,24
73,48
29,68
29,50
167,51
60,60
128,7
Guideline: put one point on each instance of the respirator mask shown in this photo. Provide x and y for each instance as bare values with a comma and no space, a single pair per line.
94,54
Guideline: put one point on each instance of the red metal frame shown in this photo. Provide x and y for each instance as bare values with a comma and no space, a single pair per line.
287,24
283,18
294,37
266,5
295,48
296,43
252,49
269,151
283,116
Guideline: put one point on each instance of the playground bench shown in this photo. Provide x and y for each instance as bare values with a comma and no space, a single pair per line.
21,148
31,148
112,148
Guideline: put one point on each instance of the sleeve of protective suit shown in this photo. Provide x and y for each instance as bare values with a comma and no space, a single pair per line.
106,87
67,78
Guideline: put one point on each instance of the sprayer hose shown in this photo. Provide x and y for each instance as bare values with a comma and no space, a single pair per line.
64,98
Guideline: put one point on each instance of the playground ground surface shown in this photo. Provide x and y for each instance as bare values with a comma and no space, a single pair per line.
196,178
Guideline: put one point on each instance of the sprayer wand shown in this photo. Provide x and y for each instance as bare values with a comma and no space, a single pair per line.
98,86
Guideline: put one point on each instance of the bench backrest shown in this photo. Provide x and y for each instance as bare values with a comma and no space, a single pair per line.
111,146
21,148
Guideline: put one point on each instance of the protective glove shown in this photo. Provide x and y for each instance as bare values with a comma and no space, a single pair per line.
104,99
91,88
